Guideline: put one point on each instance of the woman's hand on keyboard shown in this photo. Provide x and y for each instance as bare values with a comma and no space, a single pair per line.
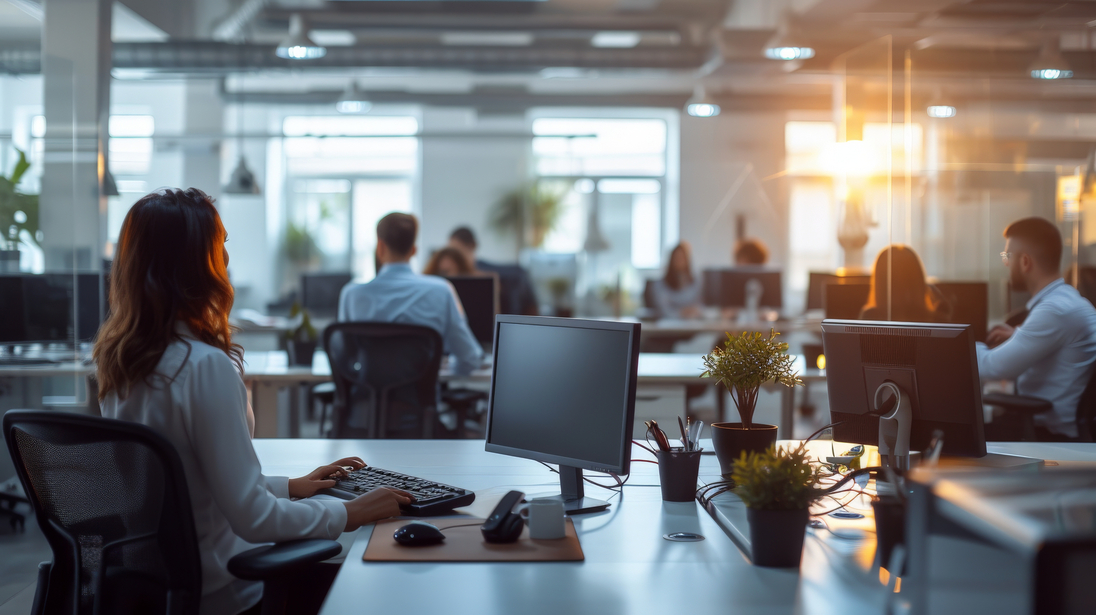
375,505
322,477
354,463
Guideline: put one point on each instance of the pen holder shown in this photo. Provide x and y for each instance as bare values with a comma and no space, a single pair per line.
677,473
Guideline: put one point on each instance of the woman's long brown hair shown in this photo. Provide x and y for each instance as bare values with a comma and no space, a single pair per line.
911,300
169,268
679,279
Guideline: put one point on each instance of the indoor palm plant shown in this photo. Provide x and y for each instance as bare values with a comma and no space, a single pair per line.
743,364
778,486
529,212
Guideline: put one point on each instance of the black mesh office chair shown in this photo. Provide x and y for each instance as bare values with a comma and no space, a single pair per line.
112,500
1018,420
386,379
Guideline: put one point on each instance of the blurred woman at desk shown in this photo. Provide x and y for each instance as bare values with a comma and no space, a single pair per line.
449,262
165,358
677,294
905,296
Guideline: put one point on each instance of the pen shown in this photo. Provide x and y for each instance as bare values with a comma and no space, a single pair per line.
684,433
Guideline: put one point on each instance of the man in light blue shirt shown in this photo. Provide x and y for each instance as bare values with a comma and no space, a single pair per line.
1052,354
399,295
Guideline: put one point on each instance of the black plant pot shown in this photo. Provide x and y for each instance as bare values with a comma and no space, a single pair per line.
776,536
730,439
300,353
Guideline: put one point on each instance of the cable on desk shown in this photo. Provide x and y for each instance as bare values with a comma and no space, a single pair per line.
620,483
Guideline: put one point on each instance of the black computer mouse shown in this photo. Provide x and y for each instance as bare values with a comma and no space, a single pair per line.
417,534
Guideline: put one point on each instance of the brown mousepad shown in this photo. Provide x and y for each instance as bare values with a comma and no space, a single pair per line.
466,544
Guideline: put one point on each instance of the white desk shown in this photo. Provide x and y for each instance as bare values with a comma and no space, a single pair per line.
267,372
629,567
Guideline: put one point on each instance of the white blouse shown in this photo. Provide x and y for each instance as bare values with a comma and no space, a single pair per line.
196,399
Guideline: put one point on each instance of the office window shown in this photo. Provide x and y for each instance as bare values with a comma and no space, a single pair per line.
613,169
344,173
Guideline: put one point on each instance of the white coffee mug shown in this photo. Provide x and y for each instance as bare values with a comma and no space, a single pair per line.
546,519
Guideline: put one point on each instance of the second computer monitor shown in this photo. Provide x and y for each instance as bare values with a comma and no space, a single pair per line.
933,364
728,287
563,391
320,291
479,294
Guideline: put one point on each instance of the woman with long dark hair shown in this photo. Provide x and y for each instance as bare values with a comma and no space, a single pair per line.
677,294
165,358
905,296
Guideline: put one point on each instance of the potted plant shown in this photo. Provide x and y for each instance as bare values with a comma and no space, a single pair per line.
301,342
18,213
529,212
778,486
743,364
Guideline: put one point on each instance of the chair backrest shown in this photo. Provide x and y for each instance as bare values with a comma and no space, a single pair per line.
1086,412
386,379
111,498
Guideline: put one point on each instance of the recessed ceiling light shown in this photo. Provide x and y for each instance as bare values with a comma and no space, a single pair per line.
615,39
941,111
1050,64
789,53
487,39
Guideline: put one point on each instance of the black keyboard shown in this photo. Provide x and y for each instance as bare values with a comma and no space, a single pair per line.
430,498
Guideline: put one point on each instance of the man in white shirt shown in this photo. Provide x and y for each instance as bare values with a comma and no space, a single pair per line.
1051,355
399,295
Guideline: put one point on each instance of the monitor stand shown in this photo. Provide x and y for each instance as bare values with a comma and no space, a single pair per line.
572,493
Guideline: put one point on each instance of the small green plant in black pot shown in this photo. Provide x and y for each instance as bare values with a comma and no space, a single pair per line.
778,486
301,342
743,364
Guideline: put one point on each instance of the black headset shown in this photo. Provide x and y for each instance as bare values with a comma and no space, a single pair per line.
504,525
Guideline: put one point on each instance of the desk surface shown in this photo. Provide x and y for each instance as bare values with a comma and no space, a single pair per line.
629,568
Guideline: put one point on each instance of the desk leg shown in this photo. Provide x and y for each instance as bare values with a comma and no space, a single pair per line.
787,413
295,410
264,402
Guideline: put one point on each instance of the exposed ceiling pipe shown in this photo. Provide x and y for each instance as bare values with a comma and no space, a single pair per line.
206,57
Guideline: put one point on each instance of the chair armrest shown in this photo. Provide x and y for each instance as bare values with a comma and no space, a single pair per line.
273,560
1017,403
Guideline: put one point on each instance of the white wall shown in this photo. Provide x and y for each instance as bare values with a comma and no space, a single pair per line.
463,175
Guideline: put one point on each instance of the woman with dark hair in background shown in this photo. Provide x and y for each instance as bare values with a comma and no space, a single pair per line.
448,262
677,294
165,358
911,298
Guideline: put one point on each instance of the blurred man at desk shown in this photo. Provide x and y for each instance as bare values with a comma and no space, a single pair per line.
1051,354
400,295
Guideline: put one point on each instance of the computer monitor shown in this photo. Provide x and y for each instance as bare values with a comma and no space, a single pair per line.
727,287
818,281
935,367
479,294
969,303
320,291
563,391
39,308
845,301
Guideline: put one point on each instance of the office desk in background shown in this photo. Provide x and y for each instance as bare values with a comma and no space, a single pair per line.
664,376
